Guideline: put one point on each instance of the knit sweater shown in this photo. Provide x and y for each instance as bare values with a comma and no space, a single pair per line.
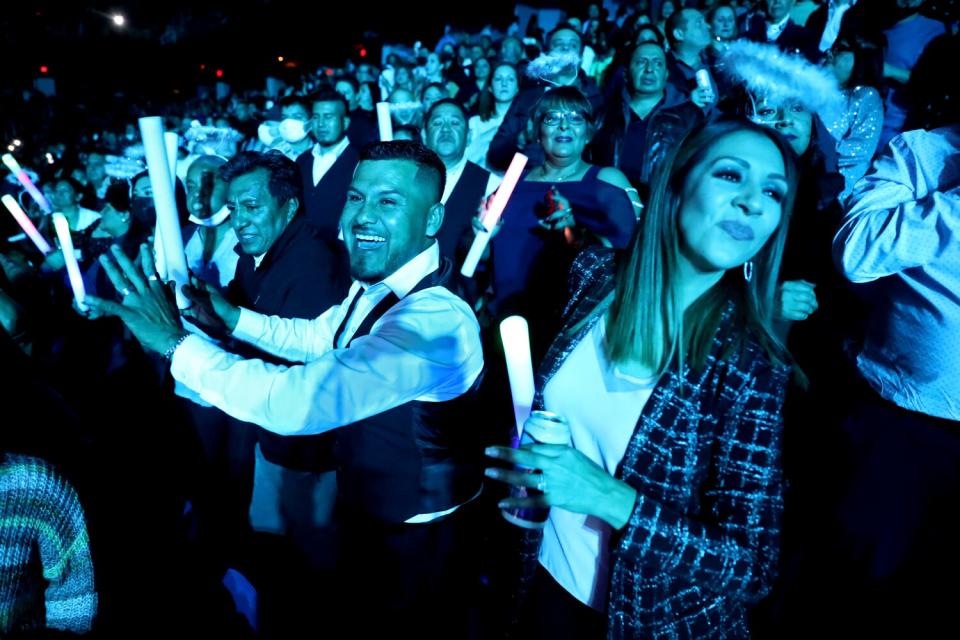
46,574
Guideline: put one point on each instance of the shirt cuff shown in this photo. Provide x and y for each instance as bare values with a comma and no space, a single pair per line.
250,326
191,359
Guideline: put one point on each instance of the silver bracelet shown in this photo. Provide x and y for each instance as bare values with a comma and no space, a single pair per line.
168,354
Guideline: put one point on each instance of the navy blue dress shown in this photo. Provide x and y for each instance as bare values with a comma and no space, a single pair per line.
530,264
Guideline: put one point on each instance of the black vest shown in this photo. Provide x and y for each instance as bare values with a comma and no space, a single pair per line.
420,457
461,207
323,203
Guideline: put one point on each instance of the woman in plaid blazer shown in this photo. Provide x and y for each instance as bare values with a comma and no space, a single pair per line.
665,511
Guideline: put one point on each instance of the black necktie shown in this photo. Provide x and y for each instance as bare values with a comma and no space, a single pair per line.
346,318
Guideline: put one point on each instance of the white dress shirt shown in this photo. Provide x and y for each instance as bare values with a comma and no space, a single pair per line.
774,29
85,218
323,160
426,347
902,230
224,257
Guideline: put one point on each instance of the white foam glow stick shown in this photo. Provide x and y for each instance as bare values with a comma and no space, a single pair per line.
27,183
491,216
516,349
171,142
384,121
168,223
70,259
26,224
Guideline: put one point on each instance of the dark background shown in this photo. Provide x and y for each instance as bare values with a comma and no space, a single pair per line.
163,45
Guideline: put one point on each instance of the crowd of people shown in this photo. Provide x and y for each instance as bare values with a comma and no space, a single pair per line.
734,244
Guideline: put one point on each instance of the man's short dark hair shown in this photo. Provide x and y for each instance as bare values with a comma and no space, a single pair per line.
674,22
284,181
349,80
289,101
428,163
564,26
329,95
440,102
74,184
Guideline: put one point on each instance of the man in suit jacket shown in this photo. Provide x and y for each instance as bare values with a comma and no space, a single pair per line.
774,25
328,166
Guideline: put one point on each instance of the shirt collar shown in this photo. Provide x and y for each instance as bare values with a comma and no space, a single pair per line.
337,150
409,275
774,29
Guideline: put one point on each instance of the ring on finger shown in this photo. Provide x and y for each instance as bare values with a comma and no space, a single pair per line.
125,292
153,277
542,484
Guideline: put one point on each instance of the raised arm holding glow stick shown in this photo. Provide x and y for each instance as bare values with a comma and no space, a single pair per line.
27,183
491,216
62,228
26,224
168,223
516,350
384,121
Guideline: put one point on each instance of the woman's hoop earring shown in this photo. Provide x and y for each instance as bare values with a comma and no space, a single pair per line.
748,270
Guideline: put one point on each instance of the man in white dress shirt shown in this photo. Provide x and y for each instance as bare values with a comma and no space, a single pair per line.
395,363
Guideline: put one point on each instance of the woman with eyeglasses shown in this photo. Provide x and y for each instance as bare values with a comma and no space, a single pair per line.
557,208
665,512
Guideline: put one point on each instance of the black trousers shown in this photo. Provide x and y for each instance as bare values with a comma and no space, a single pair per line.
900,518
408,580
549,612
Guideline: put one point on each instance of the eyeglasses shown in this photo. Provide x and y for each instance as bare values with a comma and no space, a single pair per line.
573,118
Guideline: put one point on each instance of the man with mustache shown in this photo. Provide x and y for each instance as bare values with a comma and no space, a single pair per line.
390,371
446,134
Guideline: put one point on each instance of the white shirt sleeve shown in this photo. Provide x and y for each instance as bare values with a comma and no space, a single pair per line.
427,347
292,339
898,217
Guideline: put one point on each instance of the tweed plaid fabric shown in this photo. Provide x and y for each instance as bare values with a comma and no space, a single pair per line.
702,542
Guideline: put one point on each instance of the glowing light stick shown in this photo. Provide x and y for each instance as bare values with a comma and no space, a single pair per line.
26,224
24,179
70,259
384,122
168,223
491,216
516,349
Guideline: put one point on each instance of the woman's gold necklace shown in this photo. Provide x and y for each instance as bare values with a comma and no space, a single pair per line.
564,178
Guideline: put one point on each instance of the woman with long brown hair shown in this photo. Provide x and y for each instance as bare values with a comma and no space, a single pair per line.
665,510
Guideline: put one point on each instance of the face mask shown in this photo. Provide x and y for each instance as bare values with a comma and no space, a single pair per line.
268,132
293,131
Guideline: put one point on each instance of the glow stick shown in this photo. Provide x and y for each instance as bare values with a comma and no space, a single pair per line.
70,259
24,179
384,121
491,216
171,142
26,224
168,224
516,349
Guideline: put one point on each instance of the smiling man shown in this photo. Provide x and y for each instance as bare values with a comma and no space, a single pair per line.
391,369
